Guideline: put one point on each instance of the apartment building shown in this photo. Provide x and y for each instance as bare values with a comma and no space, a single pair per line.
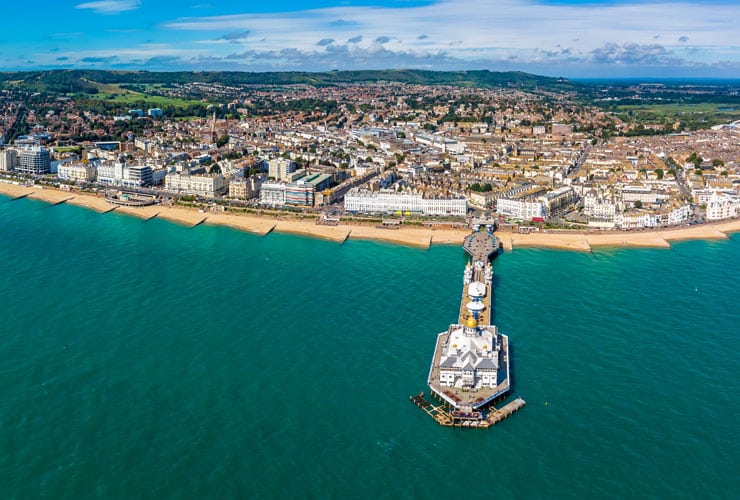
122,175
389,201
207,186
245,189
77,172
521,209
723,206
35,160
8,160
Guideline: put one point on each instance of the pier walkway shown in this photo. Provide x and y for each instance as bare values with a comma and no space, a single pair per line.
481,246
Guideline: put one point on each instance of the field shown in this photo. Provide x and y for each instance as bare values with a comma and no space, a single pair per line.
115,93
693,115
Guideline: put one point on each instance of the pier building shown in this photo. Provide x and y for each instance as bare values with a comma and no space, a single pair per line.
470,367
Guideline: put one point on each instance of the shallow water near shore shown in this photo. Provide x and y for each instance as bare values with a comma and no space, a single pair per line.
146,359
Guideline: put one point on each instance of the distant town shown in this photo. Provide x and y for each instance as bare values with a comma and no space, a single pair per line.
398,151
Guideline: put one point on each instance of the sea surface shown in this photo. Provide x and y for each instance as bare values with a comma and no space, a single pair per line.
142,359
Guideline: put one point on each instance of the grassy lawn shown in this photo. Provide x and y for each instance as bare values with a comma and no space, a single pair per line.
698,115
114,93
134,98
69,149
678,108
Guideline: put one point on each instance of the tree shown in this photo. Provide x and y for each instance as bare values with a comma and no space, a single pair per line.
222,141
659,173
638,204
695,159
485,188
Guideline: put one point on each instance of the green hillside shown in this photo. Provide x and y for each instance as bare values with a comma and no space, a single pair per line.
92,82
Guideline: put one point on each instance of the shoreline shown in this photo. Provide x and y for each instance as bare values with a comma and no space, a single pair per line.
583,241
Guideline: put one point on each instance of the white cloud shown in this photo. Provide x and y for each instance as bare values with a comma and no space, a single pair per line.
110,6
475,29
549,38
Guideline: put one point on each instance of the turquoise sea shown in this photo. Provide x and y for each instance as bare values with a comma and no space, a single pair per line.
149,360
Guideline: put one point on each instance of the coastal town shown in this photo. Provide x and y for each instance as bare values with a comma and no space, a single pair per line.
388,153
312,249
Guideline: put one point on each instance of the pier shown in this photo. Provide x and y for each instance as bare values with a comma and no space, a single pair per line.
470,368
469,419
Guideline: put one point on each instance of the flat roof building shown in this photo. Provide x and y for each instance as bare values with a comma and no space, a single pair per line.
35,161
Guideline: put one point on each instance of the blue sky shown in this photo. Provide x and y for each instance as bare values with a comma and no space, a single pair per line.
572,38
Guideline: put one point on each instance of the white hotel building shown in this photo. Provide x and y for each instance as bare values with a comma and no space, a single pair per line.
208,186
77,172
540,207
520,209
646,219
723,206
389,201
273,194
594,205
122,175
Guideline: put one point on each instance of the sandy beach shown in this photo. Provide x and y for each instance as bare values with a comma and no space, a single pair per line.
586,241
410,236
251,224
703,232
14,190
92,202
730,226
561,241
183,216
145,213
625,239
51,196
310,228
449,236
407,235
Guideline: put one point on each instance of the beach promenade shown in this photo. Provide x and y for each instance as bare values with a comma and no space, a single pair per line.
584,241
